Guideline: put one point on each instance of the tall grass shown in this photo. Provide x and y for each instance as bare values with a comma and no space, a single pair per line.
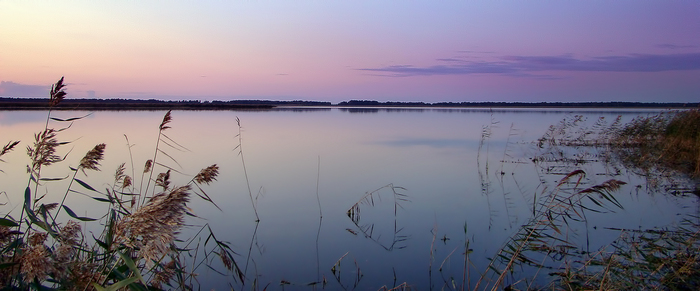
662,143
664,146
138,246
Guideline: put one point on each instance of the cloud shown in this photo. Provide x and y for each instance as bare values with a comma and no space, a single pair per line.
12,89
674,46
525,66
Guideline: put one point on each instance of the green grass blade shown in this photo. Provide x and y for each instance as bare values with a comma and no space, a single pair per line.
72,214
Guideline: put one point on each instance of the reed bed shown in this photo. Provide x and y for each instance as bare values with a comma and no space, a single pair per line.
664,144
663,149
138,247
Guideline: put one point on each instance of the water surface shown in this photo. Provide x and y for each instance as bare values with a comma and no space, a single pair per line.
307,168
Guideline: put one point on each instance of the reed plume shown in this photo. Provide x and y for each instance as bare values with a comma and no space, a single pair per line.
43,153
147,166
8,147
35,261
57,93
151,230
163,180
92,159
61,257
121,178
166,119
207,175
164,275
64,254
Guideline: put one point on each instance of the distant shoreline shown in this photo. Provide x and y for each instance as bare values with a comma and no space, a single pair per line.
152,104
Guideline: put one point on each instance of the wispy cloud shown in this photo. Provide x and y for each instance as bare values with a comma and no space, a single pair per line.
525,66
12,89
675,46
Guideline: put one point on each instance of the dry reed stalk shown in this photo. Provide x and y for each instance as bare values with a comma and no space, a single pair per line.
149,166
542,231
90,162
245,172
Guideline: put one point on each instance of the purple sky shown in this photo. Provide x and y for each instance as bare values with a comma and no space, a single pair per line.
340,50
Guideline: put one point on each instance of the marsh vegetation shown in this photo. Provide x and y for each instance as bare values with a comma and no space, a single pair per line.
536,214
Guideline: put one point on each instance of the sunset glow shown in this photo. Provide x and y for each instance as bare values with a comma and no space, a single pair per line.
334,51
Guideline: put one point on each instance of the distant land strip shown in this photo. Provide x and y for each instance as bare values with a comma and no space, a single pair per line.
8,103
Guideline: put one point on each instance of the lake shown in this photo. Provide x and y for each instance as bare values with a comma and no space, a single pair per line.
353,198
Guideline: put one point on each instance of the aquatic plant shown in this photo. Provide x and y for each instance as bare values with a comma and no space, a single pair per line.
137,247
661,143
239,147
663,146
368,228
652,259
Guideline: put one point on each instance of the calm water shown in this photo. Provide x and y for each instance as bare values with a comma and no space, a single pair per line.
457,168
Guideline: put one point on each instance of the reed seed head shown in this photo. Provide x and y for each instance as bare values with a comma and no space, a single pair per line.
35,260
92,159
35,263
57,93
121,178
69,232
37,238
152,228
126,182
119,173
8,147
147,167
164,275
207,175
163,180
6,234
166,119
226,260
43,153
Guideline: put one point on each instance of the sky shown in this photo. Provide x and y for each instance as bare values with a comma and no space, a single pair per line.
431,51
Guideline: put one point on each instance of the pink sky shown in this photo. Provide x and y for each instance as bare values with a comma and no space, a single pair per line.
342,50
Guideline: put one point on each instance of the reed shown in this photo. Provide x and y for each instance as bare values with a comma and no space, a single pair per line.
661,143
138,247
245,171
544,236
661,259
368,228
